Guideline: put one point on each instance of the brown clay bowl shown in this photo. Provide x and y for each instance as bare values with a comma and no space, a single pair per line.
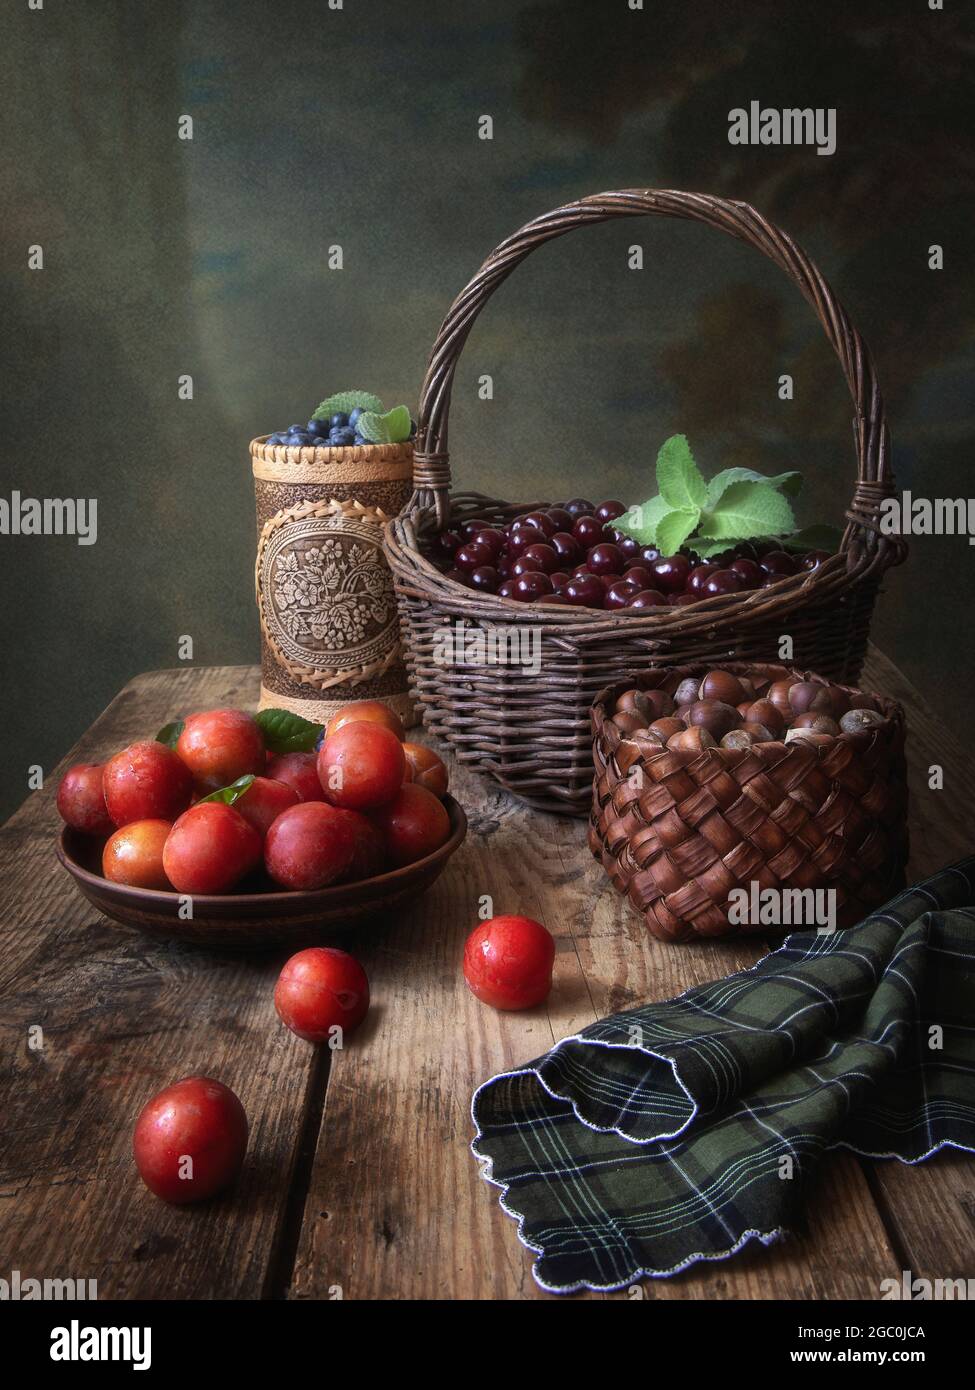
259,919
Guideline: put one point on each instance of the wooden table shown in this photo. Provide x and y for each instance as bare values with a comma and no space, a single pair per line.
359,1182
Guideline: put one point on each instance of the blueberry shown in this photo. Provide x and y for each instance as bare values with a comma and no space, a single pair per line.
339,420
294,429
341,438
320,739
318,429
360,438
301,439
275,438
354,416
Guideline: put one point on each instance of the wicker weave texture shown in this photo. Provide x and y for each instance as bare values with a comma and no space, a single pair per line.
677,831
531,733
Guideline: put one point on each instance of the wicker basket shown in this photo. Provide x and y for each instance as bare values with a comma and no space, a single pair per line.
678,831
329,626
531,732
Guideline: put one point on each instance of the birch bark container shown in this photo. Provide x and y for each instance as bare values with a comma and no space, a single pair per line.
329,625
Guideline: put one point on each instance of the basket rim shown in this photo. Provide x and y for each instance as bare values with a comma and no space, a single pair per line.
894,719
414,573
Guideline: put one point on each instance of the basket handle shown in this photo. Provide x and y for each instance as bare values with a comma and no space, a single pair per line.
431,460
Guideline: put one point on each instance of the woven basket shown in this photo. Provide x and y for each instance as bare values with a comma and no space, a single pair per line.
678,831
329,625
532,732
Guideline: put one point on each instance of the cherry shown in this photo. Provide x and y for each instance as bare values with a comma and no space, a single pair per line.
506,589
559,580
556,598
649,554
485,578
648,598
579,507
684,600
778,562
563,519
748,571
722,582
585,591
542,522
698,577
671,573
605,559
531,586
629,547
641,574
621,593
523,538
492,538
814,559
566,547
472,556
589,532
609,511
542,557
447,544
469,529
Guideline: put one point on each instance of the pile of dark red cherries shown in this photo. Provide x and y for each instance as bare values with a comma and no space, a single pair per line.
574,555
734,712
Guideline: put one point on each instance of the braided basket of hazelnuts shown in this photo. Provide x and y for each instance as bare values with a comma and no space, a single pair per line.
712,784
525,721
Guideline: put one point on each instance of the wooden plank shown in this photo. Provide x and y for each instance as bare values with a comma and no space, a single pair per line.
121,1018
396,1208
930,1209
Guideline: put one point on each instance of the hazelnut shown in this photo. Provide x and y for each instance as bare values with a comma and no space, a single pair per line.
778,695
633,702
764,712
818,723
722,686
667,727
686,692
713,715
855,721
759,733
737,738
806,696
694,740
628,722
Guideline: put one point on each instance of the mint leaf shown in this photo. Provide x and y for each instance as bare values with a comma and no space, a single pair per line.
706,549
169,733
398,422
344,401
674,528
813,538
641,522
228,795
678,476
285,732
789,483
373,427
747,509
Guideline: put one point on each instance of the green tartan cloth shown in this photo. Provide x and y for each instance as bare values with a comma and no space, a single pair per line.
682,1130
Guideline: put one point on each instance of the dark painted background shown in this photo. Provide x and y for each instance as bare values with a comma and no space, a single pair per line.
359,127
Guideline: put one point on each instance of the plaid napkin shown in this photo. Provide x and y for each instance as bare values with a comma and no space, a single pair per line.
682,1130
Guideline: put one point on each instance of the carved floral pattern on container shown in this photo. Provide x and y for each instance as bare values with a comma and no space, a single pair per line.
328,594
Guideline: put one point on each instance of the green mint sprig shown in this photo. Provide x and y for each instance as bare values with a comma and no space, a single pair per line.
737,504
346,401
